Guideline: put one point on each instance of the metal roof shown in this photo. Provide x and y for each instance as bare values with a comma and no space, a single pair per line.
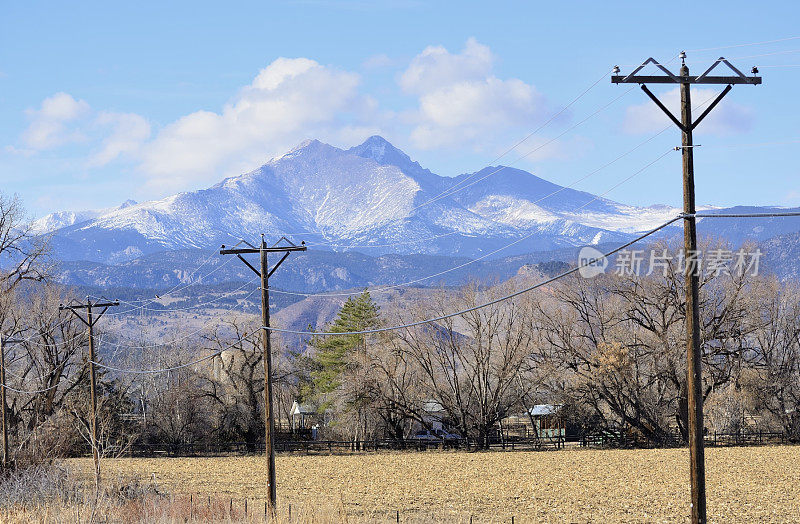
302,409
545,409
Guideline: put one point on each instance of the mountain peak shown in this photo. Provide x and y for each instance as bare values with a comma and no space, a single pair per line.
367,196
308,142
310,146
379,149
384,153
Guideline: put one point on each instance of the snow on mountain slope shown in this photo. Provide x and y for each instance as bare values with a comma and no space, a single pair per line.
61,219
371,198
630,219
470,189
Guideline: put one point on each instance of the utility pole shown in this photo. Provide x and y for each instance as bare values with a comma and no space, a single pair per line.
90,321
692,278
284,246
3,419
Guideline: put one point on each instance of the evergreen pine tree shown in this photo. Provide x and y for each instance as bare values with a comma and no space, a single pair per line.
336,354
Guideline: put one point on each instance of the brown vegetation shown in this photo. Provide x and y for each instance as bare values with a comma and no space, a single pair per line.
745,484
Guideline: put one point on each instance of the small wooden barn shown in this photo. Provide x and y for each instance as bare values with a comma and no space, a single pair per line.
542,420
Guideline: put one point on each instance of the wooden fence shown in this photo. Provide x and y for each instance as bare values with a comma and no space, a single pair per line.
340,446
608,439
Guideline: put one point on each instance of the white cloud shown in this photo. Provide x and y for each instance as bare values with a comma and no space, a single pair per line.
435,67
461,103
377,61
289,100
725,119
62,119
48,127
128,131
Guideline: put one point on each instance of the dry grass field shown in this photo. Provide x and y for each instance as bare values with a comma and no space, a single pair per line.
756,484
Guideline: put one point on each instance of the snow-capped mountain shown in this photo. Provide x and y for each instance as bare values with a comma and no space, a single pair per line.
61,219
371,198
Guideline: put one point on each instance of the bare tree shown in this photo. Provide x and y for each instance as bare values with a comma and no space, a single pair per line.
622,339
178,412
470,364
394,386
22,252
237,383
51,358
776,310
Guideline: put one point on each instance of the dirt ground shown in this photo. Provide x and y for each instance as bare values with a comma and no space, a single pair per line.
755,484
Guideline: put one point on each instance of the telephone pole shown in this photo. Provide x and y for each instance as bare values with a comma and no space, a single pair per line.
284,246
692,277
3,419
90,321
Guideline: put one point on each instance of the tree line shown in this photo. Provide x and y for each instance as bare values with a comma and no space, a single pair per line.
610,349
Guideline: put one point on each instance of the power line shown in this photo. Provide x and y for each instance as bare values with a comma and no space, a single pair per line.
33,391
529,153
756,144
179,284
141,371
404,284
186,308
444,194
454,189
515,242
744,45
384,288
136,307
208,259
540,284
485,304
687,124
150,346
172,368
745,215
457,313
185,335
786,52
705,49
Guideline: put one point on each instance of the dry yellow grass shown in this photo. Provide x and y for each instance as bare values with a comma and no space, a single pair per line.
758,484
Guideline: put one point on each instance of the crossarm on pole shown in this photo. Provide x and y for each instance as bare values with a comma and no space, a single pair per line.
663,107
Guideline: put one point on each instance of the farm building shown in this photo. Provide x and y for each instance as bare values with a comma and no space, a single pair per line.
434,419
303,421
433,415
542,420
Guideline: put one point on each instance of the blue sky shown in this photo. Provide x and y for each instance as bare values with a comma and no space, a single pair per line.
103,103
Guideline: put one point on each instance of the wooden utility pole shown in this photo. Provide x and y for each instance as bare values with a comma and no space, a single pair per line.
691,256
282,246
90,321
3,416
